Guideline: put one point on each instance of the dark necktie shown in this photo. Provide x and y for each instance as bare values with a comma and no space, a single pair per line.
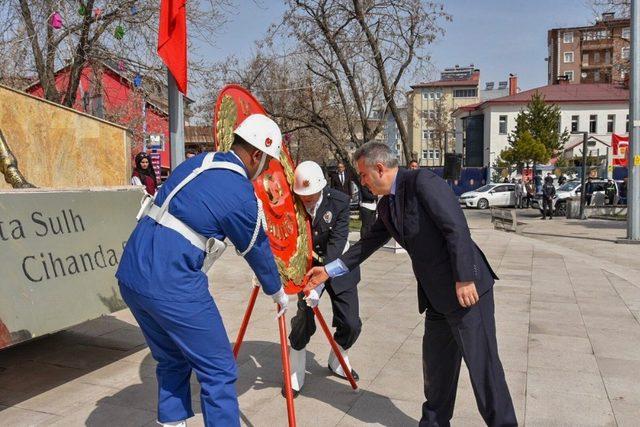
392,210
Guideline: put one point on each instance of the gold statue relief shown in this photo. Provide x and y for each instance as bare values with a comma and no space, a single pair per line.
9,166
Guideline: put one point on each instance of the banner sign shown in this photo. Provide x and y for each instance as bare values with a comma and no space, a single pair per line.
620,146
59,251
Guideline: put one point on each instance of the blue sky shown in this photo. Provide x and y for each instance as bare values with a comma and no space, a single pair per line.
497,36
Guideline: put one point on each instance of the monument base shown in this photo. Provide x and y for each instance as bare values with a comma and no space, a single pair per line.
394,247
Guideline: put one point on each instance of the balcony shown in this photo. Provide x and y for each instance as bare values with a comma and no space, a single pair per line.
596,44
598,66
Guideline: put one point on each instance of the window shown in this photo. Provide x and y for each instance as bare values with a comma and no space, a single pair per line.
569,75
568,57
432,114
607,56
425,94
425,134
431,154
502,128
575,123
624,53
438,95
585,59
431,95
611,123
593,123
567,37
595,35
626,33
596,57
626,126
465,93
596,76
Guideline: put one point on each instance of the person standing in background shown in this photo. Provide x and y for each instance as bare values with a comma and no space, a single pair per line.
520,193
531,191
341,180
143,174
413,165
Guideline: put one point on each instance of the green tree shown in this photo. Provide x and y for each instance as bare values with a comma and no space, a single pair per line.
542,121
525,150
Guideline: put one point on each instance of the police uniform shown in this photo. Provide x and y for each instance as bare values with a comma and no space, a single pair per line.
330,229
161,280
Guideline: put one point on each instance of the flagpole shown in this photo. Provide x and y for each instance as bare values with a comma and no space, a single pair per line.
176,122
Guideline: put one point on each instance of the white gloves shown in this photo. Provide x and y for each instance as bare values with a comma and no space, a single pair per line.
314,296
282,299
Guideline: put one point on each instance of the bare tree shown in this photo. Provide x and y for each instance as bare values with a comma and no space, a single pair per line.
362,49
343,66
442,126
124,30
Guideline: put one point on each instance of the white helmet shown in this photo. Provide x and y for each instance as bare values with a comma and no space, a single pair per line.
261,132
309,179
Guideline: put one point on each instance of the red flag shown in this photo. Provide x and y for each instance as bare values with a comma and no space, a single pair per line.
620,146
172,39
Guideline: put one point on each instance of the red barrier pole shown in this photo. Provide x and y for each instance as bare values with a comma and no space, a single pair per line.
245,320
334,347
291,412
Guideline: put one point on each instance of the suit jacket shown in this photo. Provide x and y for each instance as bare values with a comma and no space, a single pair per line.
346,187
330,229
434,231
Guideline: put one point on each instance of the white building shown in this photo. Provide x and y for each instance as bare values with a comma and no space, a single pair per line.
482,129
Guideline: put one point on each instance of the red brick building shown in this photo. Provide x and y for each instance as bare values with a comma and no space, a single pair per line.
596,53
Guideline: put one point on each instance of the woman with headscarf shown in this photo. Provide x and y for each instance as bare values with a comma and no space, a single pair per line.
143,174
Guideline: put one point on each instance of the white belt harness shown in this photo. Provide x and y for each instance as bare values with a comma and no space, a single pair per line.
212,247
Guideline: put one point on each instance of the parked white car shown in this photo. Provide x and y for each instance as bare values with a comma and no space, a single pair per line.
490,195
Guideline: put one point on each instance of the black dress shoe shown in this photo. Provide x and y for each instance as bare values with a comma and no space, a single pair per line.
295,393
354,374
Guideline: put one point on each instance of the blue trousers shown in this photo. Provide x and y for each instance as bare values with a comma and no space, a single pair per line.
185,336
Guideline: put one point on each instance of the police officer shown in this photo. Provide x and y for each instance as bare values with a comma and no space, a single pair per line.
329,212
206,199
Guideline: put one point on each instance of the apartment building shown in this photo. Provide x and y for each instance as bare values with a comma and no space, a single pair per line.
597,53
430,107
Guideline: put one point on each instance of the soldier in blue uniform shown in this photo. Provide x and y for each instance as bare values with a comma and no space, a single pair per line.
162,274
329,212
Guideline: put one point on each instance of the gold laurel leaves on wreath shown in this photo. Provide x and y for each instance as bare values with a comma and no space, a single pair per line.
297,267
226,121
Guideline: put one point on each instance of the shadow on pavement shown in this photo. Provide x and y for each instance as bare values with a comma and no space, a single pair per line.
37,366
259,367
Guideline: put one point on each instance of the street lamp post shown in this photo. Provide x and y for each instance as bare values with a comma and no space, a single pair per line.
585,136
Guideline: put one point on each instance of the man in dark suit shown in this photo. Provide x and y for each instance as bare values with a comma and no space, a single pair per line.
455,284
329,212
341,180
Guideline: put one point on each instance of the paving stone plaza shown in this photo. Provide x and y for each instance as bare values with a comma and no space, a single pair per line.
568,332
